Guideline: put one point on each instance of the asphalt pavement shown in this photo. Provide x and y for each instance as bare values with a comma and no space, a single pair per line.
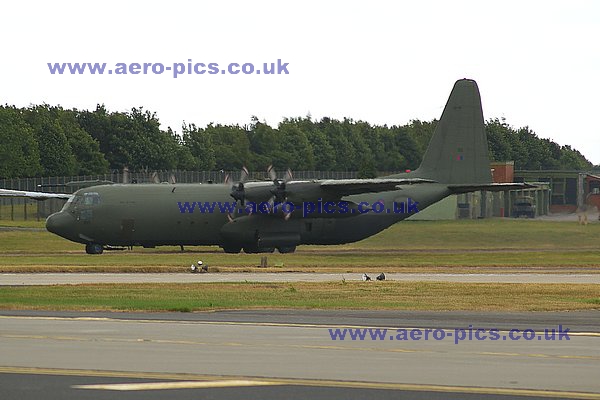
292,354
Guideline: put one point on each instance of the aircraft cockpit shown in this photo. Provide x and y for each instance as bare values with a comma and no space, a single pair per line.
81,205
91,199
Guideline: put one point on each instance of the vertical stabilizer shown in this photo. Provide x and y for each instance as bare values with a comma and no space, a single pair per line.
458,150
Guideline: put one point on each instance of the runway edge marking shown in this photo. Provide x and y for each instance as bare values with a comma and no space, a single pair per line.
176,385
305,382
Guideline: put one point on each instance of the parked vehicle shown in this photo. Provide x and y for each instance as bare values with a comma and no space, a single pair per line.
524,206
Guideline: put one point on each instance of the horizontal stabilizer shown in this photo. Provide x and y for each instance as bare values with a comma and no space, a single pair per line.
490,187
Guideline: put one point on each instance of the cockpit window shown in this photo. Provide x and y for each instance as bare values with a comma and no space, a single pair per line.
91,199
68,203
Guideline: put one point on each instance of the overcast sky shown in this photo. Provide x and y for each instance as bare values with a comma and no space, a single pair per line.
537,63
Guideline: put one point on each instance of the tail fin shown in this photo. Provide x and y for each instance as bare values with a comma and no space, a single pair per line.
458,150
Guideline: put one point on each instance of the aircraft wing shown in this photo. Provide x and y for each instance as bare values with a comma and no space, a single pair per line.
491,187
34,195
346,187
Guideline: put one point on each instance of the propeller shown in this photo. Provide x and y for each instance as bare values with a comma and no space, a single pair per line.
238,191
279,190
155,178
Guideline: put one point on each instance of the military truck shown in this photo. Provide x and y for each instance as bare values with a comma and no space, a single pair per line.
524,206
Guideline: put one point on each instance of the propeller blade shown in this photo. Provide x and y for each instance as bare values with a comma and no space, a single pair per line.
288,175
244,174
272,173
271,203
126,178
226,179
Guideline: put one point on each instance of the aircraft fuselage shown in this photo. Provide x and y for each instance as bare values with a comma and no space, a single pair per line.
152,215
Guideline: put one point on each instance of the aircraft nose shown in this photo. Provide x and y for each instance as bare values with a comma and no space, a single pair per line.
58,223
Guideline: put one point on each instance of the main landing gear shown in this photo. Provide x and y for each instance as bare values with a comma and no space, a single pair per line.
94,248
256,250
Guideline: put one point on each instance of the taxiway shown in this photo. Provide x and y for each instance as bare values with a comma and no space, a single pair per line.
286,353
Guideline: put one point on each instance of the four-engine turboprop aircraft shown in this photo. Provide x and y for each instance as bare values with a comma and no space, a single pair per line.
270,215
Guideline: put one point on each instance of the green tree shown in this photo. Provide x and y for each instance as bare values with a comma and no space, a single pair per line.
86,151
147,145
337,136
401,149
231,146
323,153
265,146
200,147
421,133
132,139
294,141
573,159
56,157
19,152
499,144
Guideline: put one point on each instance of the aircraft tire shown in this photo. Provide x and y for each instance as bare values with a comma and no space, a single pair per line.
232,249
286,249
93,248
255,250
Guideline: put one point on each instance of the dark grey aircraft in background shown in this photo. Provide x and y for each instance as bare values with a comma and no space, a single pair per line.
343,211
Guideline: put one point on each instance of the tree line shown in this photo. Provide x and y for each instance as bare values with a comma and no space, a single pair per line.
43,140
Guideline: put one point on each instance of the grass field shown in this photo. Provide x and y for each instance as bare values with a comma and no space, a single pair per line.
19,212
477,246
330,295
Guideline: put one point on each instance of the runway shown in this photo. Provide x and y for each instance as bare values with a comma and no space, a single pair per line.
80,278
291,354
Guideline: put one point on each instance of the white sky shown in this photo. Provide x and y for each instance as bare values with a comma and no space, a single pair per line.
537,63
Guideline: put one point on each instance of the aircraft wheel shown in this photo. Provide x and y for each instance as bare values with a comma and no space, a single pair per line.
254,250
93,248
232,249
286,249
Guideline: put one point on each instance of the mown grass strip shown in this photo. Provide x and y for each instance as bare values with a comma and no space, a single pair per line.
328,295
587,261
411,246
408,235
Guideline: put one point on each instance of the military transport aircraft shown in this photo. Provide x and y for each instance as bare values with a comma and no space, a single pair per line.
341,211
